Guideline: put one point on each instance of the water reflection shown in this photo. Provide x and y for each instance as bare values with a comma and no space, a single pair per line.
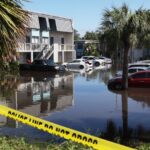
140,95
35,95
79,100
101,72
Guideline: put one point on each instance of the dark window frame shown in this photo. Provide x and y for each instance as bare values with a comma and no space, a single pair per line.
52,24
43,23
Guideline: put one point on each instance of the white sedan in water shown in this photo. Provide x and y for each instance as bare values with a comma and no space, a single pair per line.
79,64
106,60
133,70
94,60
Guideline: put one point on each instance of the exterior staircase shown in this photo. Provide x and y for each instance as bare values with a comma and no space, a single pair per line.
46,52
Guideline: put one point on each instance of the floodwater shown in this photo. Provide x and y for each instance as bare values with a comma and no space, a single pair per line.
78,100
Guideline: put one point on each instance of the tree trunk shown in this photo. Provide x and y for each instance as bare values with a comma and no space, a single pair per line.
125,114
125,67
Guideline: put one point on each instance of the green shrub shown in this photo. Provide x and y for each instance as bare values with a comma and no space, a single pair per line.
14,66
7,143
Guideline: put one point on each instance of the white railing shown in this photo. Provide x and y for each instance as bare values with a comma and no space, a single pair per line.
31,47
28,47
66,47
49,52
45,53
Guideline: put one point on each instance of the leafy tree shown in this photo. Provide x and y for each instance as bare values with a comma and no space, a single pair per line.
90,36
109,44
123,24
76,35
146,41
90,49
13,22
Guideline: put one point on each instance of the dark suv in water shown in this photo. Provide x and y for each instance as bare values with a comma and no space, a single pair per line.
42,65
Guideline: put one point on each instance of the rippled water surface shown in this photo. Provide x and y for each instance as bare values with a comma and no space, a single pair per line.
79,100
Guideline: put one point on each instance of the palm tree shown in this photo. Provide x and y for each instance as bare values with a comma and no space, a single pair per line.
91,36
76,35
124,24
13,22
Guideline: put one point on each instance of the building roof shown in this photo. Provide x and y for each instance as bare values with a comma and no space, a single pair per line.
62,24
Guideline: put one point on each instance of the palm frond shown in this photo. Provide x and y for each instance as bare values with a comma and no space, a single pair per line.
13,20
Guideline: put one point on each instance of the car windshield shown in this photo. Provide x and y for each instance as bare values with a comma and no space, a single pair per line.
90,58
76,61
132,70
38,62
50,62
139,65
101,58
85,57
148,68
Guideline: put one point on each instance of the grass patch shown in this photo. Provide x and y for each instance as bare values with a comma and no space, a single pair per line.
7,143
144,146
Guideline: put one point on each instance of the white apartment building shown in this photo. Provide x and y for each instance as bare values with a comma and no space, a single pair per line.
48,37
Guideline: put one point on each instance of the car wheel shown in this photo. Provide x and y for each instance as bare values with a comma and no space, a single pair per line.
81,66
118,86
97,64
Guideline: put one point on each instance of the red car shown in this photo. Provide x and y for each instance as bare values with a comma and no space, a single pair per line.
138,79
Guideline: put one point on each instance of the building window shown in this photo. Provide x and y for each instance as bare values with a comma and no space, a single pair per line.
52,24
35,39
51,40
44,40
62,41
80,46
35,32
45,34
28,39
43,24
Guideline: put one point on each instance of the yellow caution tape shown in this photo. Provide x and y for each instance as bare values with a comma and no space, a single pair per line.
58,130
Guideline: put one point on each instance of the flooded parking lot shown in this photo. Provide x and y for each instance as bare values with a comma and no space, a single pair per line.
79,100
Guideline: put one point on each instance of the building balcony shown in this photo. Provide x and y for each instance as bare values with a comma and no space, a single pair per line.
30,47
66,47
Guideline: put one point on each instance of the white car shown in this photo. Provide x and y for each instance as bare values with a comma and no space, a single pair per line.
93,60
78,64
132,70
139,65
106,60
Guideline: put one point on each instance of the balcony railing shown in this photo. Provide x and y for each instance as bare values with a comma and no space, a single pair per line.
66,47
28,47
31,47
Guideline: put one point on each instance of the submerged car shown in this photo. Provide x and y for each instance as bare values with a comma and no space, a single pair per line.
106,60
139,65
41,65
78,64
94,60
132,70
138,79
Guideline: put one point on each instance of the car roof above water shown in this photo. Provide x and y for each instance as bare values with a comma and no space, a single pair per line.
139,65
